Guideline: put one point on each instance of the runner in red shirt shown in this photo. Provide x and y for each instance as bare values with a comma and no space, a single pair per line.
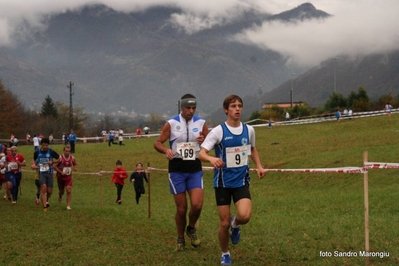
64,168
14,161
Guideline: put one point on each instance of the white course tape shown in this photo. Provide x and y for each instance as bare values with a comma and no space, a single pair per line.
346,170
380,165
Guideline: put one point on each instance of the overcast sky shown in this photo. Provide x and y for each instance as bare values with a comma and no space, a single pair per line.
358,26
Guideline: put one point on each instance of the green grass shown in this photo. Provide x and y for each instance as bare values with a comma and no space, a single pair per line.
295,215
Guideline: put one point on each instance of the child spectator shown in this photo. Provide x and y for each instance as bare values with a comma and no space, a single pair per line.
138,182
119,180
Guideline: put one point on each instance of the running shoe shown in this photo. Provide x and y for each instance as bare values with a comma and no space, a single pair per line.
47,204
192,234
14,202
226,260
37,201
234,232
5,197
181,244
69,208
119,202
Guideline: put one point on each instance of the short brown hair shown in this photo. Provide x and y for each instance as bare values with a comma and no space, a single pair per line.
231,98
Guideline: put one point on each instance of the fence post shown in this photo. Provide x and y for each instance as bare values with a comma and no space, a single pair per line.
366,208
149,190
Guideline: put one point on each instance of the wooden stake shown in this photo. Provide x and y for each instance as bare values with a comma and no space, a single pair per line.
366,208
101,191
149,190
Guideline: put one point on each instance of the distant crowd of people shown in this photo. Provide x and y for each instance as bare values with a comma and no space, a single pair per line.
346,113
116,137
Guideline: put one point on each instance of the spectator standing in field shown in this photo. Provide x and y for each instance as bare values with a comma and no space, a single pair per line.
51,139
120,138
14,161
185,132
388,108
36,143
338,115
287,116
64,167
138,132
27,139
64,139
72,141
138,177
12,139
350,113
43,161
146,130
119,180
15,141
233,142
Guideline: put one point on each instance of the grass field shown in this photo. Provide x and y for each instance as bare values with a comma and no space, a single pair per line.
295,215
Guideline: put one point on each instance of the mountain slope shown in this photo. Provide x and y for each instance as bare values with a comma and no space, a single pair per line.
378,74
141,62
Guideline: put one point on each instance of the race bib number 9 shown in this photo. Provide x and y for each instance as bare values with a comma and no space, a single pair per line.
237,156
67,170
186,150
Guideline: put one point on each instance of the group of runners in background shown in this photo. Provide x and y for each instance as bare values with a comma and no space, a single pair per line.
45,161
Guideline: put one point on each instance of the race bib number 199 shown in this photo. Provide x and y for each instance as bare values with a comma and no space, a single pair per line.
186,150
237,156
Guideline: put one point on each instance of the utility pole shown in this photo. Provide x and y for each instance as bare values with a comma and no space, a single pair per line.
292,90
259,95
335,75
70,105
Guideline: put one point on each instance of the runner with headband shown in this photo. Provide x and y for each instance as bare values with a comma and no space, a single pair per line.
185,133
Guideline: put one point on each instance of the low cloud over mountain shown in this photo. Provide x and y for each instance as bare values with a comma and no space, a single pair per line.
142,56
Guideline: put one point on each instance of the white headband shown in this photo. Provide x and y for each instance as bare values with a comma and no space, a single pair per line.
188,102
